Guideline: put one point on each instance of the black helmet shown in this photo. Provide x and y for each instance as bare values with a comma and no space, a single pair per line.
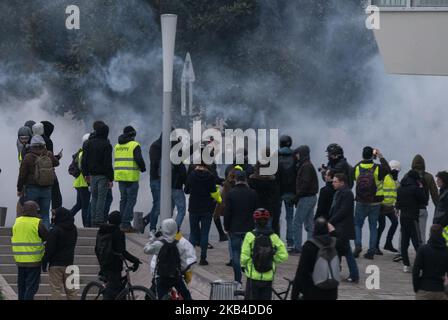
335,149
285,141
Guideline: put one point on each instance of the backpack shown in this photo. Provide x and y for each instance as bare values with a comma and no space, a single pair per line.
73,168
263,253
103,249
43,171
168,261
365,185
326,272
287,170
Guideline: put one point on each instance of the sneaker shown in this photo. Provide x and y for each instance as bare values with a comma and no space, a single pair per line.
390,247
351,280
357,251
406,269
397,258
203,262
378,252
369,256
223,238
229,264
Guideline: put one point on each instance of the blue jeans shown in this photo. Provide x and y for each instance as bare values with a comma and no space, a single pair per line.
372,212
199,230
41,195
178,201
155,211
304,215
128,199
83,204
100,189
351,263
289,208
28,280
236,241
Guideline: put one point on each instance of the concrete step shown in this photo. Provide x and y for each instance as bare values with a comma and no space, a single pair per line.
45,288
79,259
79,250
82,232
83,269
82,241
44,278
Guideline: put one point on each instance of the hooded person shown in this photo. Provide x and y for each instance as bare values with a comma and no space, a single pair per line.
163,245
337,163
38,129
441,214
127,167
30,124
60,253
96,166
28,228
111,262
430,188
307,187
24,136
431,267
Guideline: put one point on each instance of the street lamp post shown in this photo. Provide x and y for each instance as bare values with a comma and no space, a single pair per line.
168,22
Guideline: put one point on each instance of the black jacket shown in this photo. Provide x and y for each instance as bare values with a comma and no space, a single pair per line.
430,266
61,242
268,193
441,215
303,281
287,171
307,183
118,247
48,130
410,198
241,203
342,214
97,155
340,166
325,200
200,184
155,158
125,138
178,176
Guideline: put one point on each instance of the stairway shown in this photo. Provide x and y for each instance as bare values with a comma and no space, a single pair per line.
85,259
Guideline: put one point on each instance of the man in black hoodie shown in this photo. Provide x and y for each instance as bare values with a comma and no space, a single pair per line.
56,197
97,169
326,194
128,165
111,269
410,198
431,267
60,253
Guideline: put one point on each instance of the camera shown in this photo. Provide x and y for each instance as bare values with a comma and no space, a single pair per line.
323,168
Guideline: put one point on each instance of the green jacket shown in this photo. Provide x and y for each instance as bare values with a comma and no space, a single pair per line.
281,255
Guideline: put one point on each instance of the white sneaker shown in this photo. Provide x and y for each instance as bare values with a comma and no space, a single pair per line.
406,269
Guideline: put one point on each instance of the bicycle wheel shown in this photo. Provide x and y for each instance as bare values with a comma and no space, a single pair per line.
136,293
93,291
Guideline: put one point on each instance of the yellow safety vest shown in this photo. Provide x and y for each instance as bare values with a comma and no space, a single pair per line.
378,182
445,234
389,191
27,246
217,195
125,167
80,181
20,157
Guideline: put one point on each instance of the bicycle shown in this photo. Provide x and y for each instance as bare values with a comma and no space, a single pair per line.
95,290
282,295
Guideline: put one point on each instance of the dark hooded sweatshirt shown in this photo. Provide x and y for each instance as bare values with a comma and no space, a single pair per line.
155,158
441,215
307,183
267,189
287,170
410,197
431,265
125,138
200,184
48,130
429,185
97,155
61,242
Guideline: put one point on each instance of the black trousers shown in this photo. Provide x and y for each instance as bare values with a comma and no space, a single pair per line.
56,196
409,232
258,290
113,285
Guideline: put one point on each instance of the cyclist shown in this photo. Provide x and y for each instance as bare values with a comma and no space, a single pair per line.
172,260
110,250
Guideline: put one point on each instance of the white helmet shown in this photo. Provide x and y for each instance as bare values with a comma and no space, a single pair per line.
85,137
395,165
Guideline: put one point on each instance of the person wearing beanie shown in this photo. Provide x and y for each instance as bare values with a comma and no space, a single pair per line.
369,177
24,136
37,186
431,267
81,186
28,228
410,197
241,202
127,167
60,253
97,168
38,129
441,215
111,263
159,245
